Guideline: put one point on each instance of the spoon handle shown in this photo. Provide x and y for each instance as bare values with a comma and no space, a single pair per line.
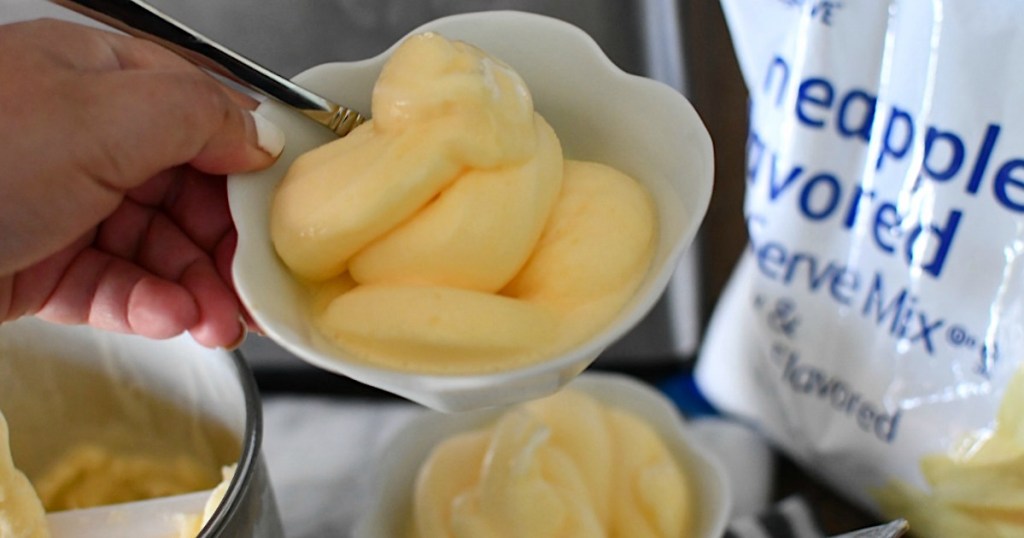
142,20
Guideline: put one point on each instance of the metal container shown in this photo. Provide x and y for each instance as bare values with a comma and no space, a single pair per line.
62,387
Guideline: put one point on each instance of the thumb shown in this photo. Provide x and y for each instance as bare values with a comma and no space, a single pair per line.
142,122
230,149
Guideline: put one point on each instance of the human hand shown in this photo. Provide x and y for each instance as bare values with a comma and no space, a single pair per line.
113,204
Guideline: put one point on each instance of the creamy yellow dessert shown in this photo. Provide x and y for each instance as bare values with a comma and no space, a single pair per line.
977,489
562,466
92,475
448,234
190,525
21,512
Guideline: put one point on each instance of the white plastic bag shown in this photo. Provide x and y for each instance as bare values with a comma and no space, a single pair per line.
876,320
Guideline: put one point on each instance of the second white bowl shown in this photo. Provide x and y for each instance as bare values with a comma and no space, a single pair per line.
395,477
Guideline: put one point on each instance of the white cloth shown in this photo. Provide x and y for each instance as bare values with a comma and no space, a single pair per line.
321,453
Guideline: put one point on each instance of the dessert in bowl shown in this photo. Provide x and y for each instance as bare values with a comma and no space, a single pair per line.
634,126
606,456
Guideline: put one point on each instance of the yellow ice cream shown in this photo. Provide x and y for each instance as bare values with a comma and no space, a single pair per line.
91,475
975,490
452,126
448,234
563,466
190,525
21,512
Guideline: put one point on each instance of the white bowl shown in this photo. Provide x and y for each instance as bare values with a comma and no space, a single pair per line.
600,113
395,475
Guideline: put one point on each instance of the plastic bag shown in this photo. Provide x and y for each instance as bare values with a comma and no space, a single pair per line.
874,326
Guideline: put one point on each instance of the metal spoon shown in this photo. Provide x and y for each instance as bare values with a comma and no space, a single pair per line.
140,19
892,529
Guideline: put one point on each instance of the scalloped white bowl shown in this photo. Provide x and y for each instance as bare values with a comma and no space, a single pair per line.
600,113
390,503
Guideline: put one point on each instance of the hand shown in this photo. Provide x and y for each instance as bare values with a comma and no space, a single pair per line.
113,205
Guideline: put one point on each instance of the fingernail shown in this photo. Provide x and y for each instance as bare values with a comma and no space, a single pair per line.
269,137
241,336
